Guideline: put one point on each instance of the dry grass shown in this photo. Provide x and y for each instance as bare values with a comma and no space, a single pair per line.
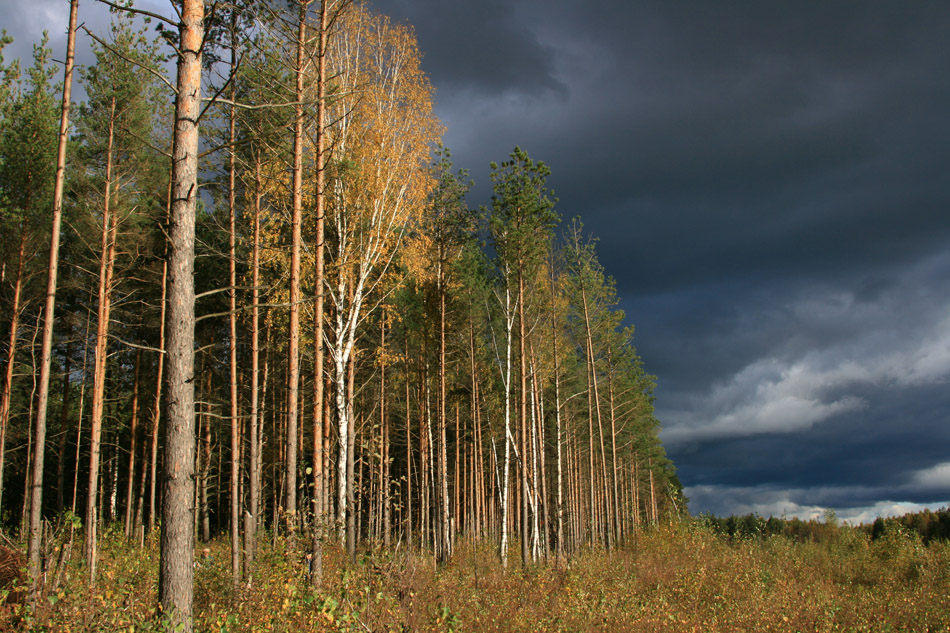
678,578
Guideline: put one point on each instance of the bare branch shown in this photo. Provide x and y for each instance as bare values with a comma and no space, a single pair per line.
115,52
136,345
158,17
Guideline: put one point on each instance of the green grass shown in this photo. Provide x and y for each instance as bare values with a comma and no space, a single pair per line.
675,578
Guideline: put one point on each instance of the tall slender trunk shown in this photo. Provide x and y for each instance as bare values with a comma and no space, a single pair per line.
523,416
235,498
204,455
63,423
251,516
445,536
39,440
592,369
504,487
176,570
293,349
653,512
106,264
27,481
319,482
559,534
82,399
133,445
350,463
346,321
384,437
11,353
618,531
408,500
159,376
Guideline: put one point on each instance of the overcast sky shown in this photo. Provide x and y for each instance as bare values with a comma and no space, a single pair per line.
770,183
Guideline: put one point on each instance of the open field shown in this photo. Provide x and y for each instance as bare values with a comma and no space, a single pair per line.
677,578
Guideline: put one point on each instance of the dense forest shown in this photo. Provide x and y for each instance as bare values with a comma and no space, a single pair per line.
243,296
926,525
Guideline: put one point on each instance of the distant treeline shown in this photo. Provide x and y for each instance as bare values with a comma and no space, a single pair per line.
928,524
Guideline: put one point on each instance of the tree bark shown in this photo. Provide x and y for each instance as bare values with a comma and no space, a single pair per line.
176,577
523,416
159,375
251,517
106,264
11,353
319,422
559,504
293,349
42,403
445,537
235,505
133,446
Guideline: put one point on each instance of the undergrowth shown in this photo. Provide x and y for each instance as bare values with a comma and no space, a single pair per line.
675,578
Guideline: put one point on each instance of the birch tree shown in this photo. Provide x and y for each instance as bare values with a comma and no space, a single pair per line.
381,104
521,223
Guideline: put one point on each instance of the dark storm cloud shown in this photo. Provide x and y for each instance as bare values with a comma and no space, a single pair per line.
768,181
479,48
714,137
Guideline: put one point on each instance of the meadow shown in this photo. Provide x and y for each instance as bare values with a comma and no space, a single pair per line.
679,577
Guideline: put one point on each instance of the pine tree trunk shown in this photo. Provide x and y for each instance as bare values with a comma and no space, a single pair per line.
559,507
133,446
205,458
159,382
42,402
445,542
235,505
99,364
176,575
251,517
319,422
11,354
618,532
293,349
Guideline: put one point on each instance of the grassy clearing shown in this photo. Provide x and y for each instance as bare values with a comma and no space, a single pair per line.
677,578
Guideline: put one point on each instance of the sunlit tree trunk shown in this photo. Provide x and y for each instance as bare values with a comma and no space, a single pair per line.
252,515
106,267
159,382
523,417
617,528
235,499
319,422
559,505
11,354
445,533
176,571
504,487
293,330
42,402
